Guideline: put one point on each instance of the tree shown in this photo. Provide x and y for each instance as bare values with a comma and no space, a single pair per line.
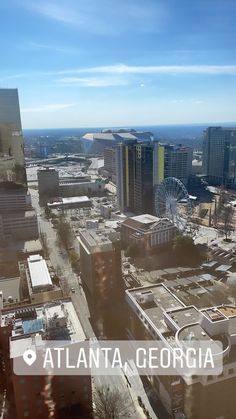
44,242
225,212
56,280
184,249
47,211
74,259
64,232
226,219
132,250
110,404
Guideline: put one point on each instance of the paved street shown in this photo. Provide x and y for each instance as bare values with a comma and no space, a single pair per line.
61,263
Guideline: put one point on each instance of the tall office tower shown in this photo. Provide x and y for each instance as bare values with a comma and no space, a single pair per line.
219,156
48,183
142,166
143,178
100,264
125,175
11,140
18,220
178,162
110,163
139,167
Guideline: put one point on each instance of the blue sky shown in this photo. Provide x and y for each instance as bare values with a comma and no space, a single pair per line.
81,63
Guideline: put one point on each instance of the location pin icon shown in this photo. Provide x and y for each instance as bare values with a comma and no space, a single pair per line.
29,357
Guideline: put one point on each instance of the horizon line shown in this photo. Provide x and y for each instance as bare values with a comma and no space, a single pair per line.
133,125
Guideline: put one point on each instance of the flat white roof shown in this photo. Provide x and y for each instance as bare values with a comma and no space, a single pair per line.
146,218
71,200
75,199
10,288
39,274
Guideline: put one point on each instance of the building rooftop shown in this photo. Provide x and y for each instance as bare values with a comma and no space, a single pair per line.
182,317
76,181
31,327
97,240
117,136
145,219
153,301
46,170
70,200
201,289
214,314
192,333
228,311
75,199
29,246
174,317
10,288
223,268
144,222
39,274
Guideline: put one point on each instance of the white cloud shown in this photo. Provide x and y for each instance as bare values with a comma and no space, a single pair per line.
48,108
167,69
101,17
61,13
122,70
177,101
12,77
93,81
37,46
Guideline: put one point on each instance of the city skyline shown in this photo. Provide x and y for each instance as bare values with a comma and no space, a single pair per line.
79,64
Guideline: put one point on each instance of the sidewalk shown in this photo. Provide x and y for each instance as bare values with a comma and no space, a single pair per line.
136,389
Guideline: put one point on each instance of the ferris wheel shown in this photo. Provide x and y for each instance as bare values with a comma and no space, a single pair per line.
172,201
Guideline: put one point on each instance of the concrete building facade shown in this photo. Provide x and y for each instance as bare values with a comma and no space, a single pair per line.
11,139
147,231
18,225
18,220
10,108
50,185
219,156
100,262
178,162
48,182
110,163
74,188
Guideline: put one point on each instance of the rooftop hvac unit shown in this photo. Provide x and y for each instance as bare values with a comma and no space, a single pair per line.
145,297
